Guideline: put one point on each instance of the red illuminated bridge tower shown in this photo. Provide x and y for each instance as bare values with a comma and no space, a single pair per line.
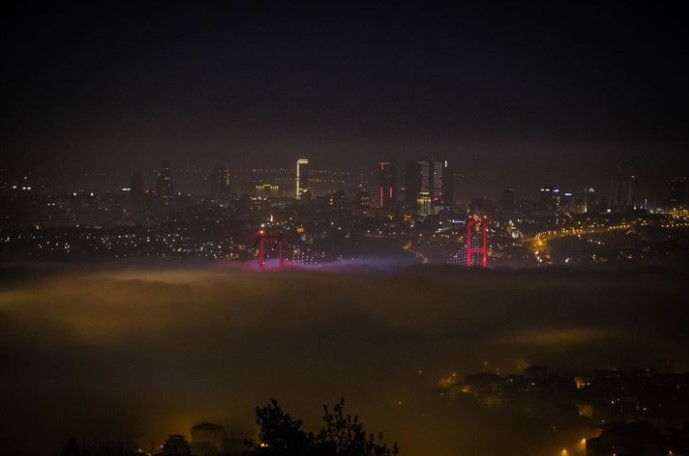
477,239
278,242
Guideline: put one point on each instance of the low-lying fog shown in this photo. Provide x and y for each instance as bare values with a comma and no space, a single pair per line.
142,353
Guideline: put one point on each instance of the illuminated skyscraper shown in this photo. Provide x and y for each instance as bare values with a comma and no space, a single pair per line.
590,201
221,184
428,180
387,191
302,179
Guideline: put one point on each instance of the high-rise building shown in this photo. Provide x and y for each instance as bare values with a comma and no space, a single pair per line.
164,183
546,200
621,193
448,185
302,179
428,179
387,190
590,201
221,184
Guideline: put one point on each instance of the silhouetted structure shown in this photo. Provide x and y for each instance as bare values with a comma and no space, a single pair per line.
207,439
221,184
620,196
176,445
387,189
428,184
164,184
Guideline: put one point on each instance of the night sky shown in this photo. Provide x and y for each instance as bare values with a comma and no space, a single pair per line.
520,91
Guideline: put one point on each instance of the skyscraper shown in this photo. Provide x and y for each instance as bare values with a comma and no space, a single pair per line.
590,201
221,184
448,185
302,179
428,180
621,193
164,183
387,191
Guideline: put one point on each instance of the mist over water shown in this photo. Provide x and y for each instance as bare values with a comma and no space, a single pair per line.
148,351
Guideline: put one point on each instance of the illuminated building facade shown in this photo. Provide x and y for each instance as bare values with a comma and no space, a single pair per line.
267,189
428,179
590,201
477,241
302,179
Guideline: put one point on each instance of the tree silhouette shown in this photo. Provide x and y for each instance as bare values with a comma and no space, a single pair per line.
340,435
280,434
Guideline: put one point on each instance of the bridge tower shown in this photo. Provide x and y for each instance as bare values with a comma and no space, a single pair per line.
477,227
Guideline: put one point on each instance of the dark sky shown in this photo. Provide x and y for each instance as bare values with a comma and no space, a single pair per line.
117,84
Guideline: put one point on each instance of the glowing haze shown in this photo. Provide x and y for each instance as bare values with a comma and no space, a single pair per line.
147,352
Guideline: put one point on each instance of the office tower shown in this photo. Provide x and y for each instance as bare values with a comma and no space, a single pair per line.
387,191
221,184
621,193
546,200
435,180
302,179
164,184
448,184
428,180
590,201
566,202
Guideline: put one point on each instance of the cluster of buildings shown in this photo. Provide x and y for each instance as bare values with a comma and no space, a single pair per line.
405,212
635,412
207,439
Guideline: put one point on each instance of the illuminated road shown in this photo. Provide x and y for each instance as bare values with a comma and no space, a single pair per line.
538,244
